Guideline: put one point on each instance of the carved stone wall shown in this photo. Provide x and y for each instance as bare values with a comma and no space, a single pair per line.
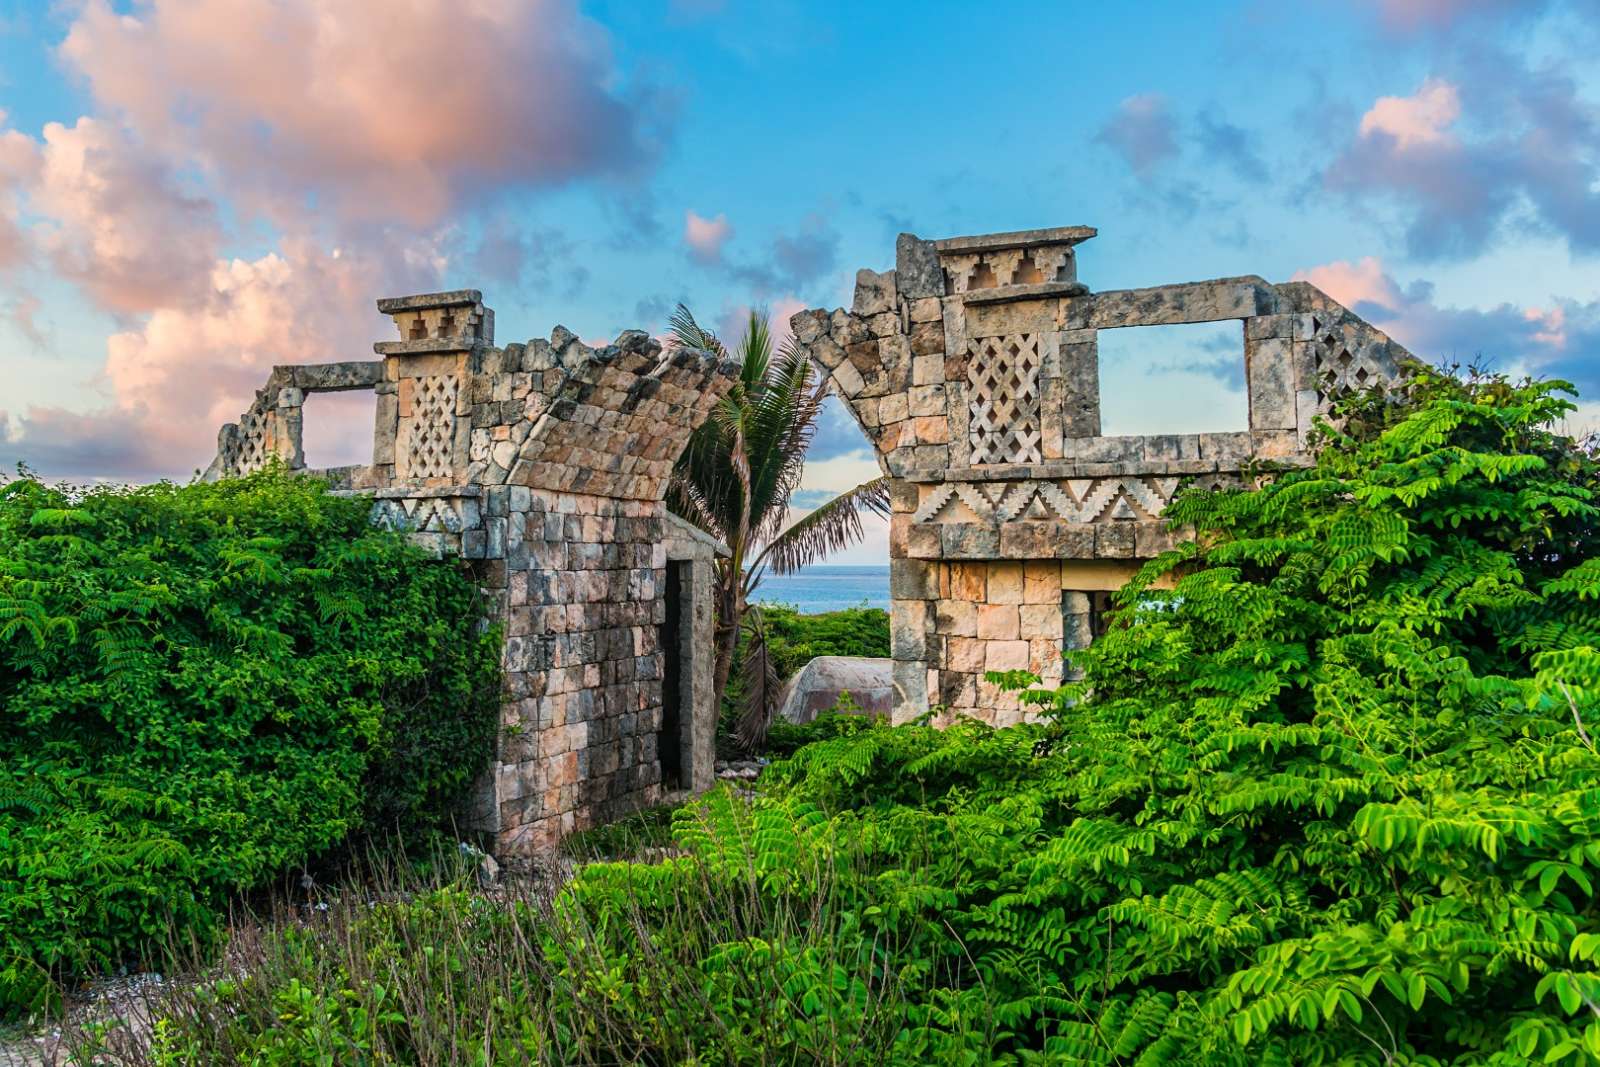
973,368
545,464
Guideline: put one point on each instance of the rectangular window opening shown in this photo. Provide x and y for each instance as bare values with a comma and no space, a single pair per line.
336,428
1173,379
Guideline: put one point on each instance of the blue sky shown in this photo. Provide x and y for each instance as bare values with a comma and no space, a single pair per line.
192,192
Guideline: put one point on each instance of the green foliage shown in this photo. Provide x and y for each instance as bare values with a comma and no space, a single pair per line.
201,687
1329,797
792,639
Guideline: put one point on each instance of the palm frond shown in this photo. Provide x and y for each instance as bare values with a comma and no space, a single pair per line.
834,525
762,686
685,332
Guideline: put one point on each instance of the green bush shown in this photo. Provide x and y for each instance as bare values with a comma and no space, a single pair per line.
1331,798
202,687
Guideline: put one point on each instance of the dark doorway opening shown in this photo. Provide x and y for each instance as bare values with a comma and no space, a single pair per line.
669,742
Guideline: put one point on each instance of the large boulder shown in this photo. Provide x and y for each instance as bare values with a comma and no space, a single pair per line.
818,685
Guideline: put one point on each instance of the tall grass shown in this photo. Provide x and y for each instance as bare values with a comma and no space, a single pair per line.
681,961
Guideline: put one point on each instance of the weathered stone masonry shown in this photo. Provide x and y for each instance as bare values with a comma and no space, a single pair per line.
546,465
973,368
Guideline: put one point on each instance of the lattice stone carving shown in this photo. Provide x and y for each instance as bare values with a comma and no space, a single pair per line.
247,450
433,424
1343,361
1003,399
1073,499
437,514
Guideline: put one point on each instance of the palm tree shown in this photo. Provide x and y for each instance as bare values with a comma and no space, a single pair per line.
734,480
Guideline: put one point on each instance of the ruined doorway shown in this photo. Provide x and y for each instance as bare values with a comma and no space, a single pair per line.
674,657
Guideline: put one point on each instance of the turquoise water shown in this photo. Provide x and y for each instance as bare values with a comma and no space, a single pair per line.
825,588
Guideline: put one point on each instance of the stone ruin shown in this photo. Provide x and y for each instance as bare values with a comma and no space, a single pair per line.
973,369
545,465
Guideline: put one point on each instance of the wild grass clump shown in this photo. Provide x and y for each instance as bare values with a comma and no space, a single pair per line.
749,948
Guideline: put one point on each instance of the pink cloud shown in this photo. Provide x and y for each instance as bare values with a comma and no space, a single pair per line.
1142,131
119,223
1407,15
381,111
19,166
1562,340
1424,118
706,237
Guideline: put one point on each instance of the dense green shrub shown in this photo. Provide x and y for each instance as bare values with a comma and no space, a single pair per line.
202,686
1333,797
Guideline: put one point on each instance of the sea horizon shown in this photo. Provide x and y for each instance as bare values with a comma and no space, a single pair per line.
828,587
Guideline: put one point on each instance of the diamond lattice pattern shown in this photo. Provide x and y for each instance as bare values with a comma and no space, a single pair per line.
433,424
1003,399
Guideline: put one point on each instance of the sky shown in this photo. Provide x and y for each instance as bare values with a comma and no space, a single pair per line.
192,191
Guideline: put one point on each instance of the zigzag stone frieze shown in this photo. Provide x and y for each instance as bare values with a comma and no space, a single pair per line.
1073,499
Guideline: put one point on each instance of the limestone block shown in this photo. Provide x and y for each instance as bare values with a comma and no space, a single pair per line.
965,654
1005,583
926,309
912,580
1225,448
1211,301
917,272
809,325
928,400
1151,539
908,628
846,329
829,354
875,293
999,622
1114,540
932,429
847,379
969,540
956,618
927,339
884,325
1041,620
927,370
1041,581
1006,656
969,581
894,408
1269,373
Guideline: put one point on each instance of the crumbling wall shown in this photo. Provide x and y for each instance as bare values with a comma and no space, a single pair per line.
545,464
973,369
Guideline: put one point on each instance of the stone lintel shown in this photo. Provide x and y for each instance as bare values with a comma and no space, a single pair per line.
452,298
427,345
992,242
1006,294
332,377
1216,300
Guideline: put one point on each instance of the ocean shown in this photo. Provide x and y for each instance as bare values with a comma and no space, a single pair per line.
827,588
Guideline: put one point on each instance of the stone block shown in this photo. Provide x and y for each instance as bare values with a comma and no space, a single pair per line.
923,542
911,579
1005,582
932,429
927,370
999,622
956,618
969,581
1041,581
917,272
875,293
927,339
894,408
809,325
846,378
1006,656
969,540
1041,620
1114,540
1150,539
965,654
926,309
1269,374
